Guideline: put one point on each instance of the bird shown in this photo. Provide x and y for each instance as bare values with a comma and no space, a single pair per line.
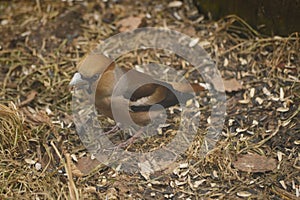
138,99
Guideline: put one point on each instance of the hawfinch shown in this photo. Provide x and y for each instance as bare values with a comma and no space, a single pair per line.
136,93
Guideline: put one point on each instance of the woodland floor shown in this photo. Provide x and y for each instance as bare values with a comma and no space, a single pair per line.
42,157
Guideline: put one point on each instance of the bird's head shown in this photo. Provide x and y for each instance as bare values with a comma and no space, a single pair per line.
90,69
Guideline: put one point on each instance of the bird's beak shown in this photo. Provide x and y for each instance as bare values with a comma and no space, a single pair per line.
77,80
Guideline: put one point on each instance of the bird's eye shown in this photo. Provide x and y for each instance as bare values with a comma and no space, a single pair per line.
95,77
91,79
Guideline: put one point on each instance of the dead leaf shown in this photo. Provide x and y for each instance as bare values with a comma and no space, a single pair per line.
146,169
218,84
130,23
85,165
30,97
255,163
189,30
232,85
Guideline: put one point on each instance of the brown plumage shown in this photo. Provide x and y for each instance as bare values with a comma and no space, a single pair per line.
136,92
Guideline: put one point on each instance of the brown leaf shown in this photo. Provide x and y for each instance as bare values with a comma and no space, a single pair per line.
218,84
232,85
85,165
130,23
255,163
189,30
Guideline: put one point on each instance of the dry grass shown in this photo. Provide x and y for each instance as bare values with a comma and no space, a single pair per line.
40,45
